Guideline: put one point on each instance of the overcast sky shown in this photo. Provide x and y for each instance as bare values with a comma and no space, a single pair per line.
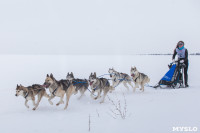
98,26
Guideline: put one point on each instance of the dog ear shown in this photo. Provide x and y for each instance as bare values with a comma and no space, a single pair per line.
90,74
47,75
51,75
68,73
71,73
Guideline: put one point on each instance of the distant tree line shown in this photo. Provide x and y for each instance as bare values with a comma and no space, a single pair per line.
169,54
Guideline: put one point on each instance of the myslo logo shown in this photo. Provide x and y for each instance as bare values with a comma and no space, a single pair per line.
184,129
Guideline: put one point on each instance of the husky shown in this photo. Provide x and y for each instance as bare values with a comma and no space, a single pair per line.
98,85
139,78
30,92
118,78
59,89
80,84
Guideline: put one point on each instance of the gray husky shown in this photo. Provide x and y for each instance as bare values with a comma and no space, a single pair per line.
118,78
139,78
81,85
59,89
98,85
30,92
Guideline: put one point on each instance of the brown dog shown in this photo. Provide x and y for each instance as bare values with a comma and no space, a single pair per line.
59,89
30,92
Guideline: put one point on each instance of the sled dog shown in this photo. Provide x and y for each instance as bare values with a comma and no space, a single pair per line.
30,92
81,85
98,85
139,78
118,78
59,89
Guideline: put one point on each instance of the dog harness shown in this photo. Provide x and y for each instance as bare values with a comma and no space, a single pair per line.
140,74
54,91
26,95
100,85
136,78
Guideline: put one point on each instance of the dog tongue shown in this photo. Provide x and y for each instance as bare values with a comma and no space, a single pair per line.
91,83
43,86
132,75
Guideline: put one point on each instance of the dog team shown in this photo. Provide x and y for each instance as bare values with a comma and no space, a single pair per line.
72,85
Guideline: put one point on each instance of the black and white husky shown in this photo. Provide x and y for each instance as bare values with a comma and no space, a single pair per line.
81,85
98,85
118,78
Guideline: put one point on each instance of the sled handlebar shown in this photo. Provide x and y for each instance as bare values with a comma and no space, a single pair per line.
178,62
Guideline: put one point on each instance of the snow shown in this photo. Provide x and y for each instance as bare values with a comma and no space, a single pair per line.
46,36
154,110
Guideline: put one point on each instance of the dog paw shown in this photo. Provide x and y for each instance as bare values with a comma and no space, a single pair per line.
34,108
101,102
75,92
66,107
51,102
57,104
27,107
95,98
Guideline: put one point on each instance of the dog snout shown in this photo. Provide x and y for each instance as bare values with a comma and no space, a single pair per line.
44,84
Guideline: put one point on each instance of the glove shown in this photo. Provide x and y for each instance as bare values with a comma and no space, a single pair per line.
173,61
181,61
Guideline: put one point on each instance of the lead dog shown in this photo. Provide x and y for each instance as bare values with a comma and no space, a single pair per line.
30,92
80,84
139,78
118,78
98,85
59,89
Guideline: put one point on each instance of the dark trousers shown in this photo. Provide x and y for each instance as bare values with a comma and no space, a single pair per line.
186,72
